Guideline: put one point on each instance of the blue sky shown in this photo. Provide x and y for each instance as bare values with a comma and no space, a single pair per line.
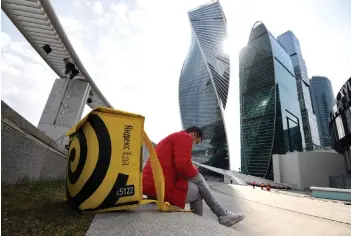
134,50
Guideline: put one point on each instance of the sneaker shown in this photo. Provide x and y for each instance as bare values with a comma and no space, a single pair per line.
230,219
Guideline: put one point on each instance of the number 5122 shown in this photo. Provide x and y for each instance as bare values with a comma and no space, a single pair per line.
125,191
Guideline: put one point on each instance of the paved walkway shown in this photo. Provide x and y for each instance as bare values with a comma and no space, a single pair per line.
272,213
267,213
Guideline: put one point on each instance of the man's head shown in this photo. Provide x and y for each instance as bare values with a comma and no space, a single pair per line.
196,134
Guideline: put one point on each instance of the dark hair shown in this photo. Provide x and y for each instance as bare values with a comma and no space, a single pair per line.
195,129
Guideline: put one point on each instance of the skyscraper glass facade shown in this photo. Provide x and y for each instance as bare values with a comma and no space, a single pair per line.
323,101
204,84
309,122
340,125
270,113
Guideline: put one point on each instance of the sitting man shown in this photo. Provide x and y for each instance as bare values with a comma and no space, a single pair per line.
183,182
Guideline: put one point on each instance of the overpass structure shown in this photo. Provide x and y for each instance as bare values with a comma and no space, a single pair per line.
39,24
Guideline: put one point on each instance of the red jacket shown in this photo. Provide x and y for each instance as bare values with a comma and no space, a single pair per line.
174,154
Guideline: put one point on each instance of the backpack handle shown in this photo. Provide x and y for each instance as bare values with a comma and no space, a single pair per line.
159,180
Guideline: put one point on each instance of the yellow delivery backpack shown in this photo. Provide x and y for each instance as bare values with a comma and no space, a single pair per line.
104,164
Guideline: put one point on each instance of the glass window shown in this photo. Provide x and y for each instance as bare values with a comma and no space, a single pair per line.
290,108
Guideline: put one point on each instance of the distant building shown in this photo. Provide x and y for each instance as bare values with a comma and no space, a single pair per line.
309,121
270,114
204,84
340,124
323,101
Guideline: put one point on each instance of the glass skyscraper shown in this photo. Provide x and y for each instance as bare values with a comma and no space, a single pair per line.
340,125
270,114
204,83
323,101
309,123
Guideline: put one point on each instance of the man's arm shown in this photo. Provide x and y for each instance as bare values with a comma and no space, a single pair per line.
182,147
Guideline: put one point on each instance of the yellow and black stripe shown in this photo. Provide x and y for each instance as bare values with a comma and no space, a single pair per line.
95,171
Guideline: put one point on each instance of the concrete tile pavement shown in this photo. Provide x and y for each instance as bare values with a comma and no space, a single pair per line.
270,213
309,206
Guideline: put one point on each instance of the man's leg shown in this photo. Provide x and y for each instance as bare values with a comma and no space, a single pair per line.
194,198
224,217
207,195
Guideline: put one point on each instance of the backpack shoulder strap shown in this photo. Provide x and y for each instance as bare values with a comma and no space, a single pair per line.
159,181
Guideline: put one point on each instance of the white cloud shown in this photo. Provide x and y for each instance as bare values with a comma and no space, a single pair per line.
102,21
81,3
5,40
12,71
12,59
120,9
77,3
72,24
98,8
25,81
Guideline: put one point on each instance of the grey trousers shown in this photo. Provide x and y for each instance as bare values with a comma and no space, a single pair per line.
198,189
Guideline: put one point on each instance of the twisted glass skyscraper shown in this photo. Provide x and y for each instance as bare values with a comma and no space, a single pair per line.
270,116
204,84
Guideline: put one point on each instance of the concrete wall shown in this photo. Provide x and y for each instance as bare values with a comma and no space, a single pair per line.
302,170
286,170
318,166
26,151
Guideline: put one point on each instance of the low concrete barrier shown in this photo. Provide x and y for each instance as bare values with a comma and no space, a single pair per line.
26,152
234,177
250,179
146,221
226,173
331,193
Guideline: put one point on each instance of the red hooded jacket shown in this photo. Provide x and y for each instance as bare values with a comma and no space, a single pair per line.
174,154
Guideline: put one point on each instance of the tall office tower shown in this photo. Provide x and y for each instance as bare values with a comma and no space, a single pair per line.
323,101
269,108
309,121
204,84
340,125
